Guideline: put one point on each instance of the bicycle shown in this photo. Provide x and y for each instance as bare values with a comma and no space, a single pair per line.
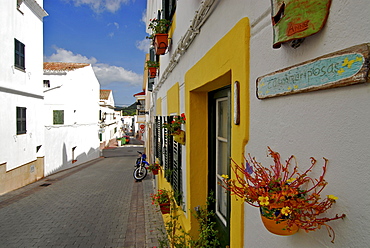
140,171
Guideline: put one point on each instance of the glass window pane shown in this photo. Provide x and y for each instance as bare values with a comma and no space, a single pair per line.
222,119
221,200
222,158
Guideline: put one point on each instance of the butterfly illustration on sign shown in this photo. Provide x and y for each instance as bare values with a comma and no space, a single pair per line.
294,20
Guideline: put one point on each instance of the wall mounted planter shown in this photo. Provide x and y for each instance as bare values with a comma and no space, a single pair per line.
160,43
152,72
165,208
278,228
155,172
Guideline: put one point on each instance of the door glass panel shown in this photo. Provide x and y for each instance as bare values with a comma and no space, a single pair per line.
222,118
222,157
221,201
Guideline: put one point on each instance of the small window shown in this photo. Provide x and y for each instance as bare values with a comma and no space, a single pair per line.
21,120
19,57
168,9
46,83
58,117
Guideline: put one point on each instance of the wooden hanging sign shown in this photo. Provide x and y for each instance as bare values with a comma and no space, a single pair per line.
342,68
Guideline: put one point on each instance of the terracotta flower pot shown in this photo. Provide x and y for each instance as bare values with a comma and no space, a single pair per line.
179,137
152,72
160,43
278,228
155,172
165,208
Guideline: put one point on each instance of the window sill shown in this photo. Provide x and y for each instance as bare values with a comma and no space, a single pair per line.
20,69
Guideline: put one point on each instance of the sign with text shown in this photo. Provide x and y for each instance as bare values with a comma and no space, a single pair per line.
346,67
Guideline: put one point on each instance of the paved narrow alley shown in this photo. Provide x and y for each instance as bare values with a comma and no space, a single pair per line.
96,204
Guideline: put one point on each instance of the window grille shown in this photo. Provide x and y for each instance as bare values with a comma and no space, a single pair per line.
170,151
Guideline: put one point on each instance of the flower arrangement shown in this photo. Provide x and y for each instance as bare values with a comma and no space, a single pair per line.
154,167
159,26
150,63
283,196
175,126
161,197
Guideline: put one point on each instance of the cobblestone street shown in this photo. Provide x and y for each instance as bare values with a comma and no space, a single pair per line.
96,204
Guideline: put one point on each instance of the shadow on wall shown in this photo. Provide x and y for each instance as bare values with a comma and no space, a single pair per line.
93,153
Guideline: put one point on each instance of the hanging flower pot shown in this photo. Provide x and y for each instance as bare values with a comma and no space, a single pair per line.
160,43
152,72
179,137
155,171
165,207
278,227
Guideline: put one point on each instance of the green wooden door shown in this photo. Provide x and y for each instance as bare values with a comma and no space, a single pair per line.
219,159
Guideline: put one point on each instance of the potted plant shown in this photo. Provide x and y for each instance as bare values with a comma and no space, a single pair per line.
154,168
288,200
159,29
174,128
162,199
152,68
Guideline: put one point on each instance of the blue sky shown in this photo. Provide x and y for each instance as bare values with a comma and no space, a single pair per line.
109,34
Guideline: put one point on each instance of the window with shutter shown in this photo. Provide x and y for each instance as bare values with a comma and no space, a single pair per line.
172,157
19,54
168,9
58,117
21,120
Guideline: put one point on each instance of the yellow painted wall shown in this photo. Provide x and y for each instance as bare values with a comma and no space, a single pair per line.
20,176
226,62
173,102
158,107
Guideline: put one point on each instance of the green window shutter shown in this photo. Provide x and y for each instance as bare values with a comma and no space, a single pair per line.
19,54
21,120
168,9
58,117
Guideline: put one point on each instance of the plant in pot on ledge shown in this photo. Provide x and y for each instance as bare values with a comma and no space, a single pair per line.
288,201
159,35
174,128
154,168
162,199
152,68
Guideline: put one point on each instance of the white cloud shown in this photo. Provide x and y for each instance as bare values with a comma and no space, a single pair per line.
99,6
105,73
143,45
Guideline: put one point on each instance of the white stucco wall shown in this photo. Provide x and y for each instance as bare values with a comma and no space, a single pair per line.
77,93
330,123
20,88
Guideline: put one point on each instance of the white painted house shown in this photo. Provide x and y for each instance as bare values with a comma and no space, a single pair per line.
21,96
110,122
224,70
71,115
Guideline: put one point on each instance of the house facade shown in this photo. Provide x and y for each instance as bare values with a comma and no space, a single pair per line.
245,83
109,120
71,93
22,144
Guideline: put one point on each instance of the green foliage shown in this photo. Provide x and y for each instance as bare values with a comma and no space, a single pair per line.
174,235
150,63
159,26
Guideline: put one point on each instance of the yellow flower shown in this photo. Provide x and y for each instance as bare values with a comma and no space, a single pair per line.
286,211
264,200
290,180
332,197
224,176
